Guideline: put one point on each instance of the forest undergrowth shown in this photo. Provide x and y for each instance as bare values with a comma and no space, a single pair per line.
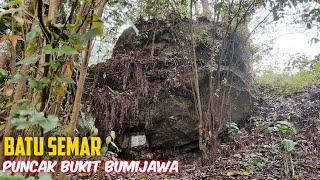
253,153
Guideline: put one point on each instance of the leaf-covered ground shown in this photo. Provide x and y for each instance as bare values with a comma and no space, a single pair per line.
257,155
253,154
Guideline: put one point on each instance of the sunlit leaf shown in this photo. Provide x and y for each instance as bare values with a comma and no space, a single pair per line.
19,20
113,135
94,131
287,145
59,89
9,92
9,11
70,26
108,140
15,2
98,23
3,73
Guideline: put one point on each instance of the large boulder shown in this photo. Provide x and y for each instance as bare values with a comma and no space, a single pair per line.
146,87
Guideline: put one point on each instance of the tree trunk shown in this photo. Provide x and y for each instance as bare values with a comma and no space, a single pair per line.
77,100
83,72
197,90
53,11
206,8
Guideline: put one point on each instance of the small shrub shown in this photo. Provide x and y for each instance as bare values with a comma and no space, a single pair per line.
233,129
284,128
254,161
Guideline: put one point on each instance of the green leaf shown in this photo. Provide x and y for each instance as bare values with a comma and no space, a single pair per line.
269,130
70,26
45,177
77,41
53,118
29,60
50,123
15,2
93,131
31,178
47,49
18,78
37,118
45,80
25,112
38,85
113,135
54,65
286,127
108,140
20,122
35,32
5,176
59,89
90,34
288,145
67,80
67,50
3,73
24,108
98,23
31,47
